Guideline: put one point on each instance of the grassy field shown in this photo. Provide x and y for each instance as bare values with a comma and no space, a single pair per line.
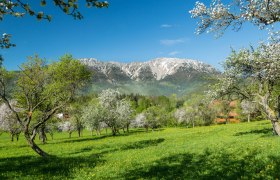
234,151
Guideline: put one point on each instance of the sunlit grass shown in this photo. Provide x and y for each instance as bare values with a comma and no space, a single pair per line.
246,150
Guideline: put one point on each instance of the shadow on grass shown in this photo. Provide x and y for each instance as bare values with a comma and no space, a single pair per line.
135,145
209,165
41,168
83,139
142,144
266,131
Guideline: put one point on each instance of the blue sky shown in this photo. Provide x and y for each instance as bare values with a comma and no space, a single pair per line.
129,30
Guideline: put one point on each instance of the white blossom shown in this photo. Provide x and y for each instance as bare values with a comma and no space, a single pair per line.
219,16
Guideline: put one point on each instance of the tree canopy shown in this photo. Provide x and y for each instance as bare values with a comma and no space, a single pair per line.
40,91
21,8
218,16
254,75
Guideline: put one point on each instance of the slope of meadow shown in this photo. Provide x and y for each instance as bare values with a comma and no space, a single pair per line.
234,151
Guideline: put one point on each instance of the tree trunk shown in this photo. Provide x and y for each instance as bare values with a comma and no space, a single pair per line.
12,137
79,132
70,133
114,131
227,120
276,127
249,116
97,132
278,107
51,135
91,132
43,135
32,144
127,128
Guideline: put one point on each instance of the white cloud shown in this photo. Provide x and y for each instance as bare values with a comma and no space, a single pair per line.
173,53
170,42
166,26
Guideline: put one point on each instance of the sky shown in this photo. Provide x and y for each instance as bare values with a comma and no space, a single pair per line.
127,31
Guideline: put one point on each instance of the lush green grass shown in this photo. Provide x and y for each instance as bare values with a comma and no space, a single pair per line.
236,151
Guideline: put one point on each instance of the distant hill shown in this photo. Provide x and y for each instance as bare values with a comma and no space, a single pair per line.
161,76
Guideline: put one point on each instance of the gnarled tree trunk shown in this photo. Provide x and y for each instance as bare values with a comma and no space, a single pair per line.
276,127
34,146
271,114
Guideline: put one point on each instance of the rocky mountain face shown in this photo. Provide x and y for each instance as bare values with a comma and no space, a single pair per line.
161,76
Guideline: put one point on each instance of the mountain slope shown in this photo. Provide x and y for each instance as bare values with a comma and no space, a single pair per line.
161,76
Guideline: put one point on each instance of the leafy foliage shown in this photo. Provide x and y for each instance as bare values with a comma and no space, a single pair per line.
41,91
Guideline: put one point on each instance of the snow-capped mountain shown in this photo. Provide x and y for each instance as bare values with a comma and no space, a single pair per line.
158,69
161,76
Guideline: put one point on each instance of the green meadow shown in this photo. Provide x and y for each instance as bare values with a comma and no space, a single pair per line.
232,151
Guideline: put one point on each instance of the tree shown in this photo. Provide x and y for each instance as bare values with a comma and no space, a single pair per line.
75,112
224,108
192,115
108,100
254,75
248,108
8,122
42,90
93,116
21,8
142,104
116,112
198,110
124,112
140,121
51,126
67,126
180,115
219,16
153,119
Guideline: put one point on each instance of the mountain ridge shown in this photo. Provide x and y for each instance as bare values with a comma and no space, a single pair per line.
159,68
159,76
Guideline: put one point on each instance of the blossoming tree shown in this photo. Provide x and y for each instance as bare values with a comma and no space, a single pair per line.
219,16
254,75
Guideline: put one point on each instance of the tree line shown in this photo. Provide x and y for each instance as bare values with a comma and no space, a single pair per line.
44,99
